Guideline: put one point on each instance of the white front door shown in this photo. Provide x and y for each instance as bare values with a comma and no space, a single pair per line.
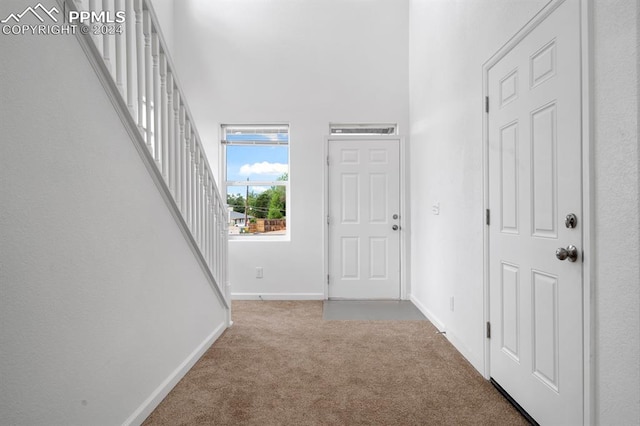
364,221
536,299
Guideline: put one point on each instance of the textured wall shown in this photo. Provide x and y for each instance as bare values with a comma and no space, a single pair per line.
617,275
101,298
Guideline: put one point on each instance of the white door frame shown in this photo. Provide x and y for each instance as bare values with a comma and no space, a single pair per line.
586,13
404,210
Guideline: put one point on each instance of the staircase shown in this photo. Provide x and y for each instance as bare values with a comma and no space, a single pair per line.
135,68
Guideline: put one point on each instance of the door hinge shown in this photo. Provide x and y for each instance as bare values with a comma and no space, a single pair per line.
488,330
327,279
327,160
328,219
488,216
486,104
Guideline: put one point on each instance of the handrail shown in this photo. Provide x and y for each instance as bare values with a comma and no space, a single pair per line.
135,67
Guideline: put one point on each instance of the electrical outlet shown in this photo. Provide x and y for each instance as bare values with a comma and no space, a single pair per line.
259,272
451,303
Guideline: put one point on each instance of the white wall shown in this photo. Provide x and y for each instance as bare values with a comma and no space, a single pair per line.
449,43
617,236
164,10
101,298
303,63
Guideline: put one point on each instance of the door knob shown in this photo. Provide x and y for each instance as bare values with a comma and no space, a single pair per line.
395,227
571,253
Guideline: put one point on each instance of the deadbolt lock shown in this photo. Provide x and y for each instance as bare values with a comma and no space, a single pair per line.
571,221
395,216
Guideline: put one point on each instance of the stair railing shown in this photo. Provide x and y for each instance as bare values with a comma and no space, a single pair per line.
131,59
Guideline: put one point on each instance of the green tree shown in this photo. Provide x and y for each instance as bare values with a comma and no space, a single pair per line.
236,201
278,203
261,204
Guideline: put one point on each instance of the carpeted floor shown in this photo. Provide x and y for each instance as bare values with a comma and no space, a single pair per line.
281,364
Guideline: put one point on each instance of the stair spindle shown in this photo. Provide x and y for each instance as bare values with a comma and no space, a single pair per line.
148,79
188,183
130,39
106,38
198,192
190,166
93,7
155,53
171,137
120,50
163,117
140,67
178,149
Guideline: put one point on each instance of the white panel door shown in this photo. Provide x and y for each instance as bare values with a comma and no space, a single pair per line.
534,134
364,209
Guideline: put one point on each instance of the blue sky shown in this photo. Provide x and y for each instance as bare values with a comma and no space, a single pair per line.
258,163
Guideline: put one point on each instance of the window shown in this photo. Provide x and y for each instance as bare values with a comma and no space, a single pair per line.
363,129
257,179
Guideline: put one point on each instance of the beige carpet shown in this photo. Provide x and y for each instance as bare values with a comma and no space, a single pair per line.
281,364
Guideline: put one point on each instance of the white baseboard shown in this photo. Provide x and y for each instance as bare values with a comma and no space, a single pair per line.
169,383
277,296
478,364
427,313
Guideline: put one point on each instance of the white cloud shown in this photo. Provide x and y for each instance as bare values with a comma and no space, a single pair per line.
259,189
264,168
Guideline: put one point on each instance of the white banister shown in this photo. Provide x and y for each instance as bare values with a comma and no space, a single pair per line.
202,206
93,6
178,147
171,140
187,195
194,189
181,140
197,190
135,68
106,40
214,227
188,184
163,117
155,52
207,210
130,39
139,65
119,63
193,193
148,78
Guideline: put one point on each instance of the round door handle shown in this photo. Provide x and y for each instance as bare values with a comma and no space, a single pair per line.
395,227
570,253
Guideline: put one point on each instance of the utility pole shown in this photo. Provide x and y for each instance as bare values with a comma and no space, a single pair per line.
246,207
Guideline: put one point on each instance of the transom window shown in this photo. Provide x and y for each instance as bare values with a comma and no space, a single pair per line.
363,129
256,179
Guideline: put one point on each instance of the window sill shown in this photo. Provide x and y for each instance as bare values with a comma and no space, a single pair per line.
260,238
